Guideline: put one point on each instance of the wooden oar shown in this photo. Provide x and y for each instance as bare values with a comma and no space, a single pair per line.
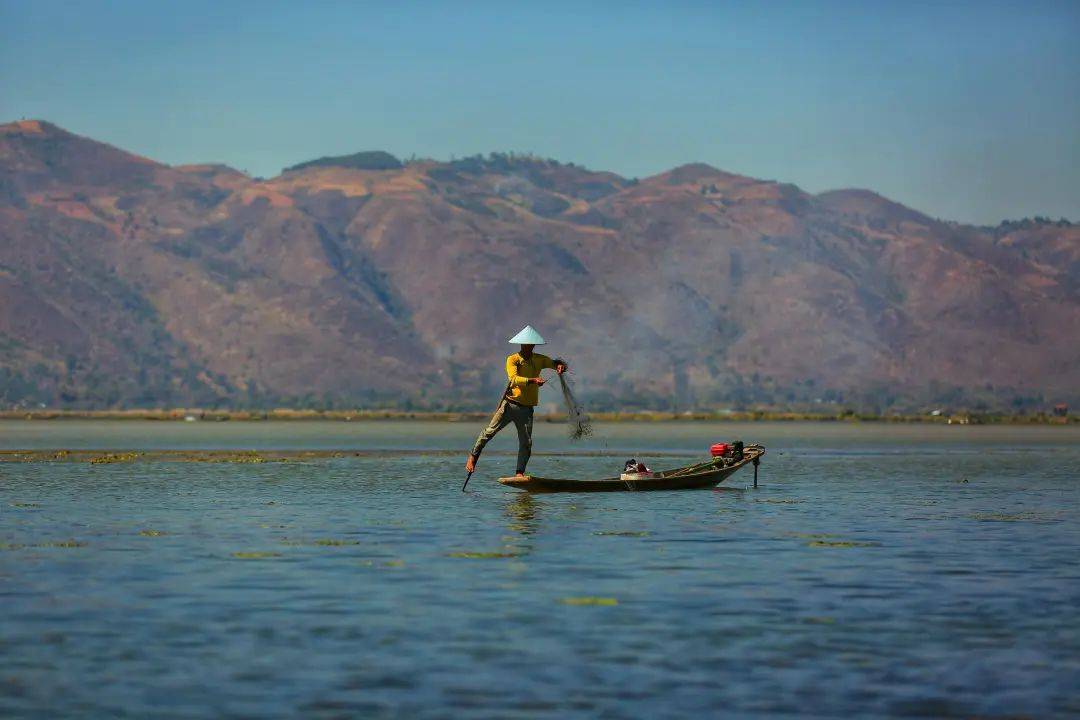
466,481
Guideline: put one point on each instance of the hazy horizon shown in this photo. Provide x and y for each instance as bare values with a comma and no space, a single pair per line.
967,112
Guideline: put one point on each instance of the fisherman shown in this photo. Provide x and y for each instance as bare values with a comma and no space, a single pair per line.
521,396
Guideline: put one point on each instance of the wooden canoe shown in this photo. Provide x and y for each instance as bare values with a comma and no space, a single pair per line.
701,475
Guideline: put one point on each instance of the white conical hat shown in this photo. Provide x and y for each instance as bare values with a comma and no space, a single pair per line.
527,336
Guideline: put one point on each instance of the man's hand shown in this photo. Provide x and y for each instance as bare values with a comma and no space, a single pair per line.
560,367
537,380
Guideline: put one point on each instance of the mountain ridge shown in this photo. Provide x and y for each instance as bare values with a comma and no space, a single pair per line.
129,282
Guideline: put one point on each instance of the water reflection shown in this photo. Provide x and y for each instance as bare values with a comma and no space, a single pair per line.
521,512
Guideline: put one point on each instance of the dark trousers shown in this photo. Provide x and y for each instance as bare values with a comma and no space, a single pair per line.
522,417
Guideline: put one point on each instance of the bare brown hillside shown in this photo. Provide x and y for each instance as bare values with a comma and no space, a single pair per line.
128,282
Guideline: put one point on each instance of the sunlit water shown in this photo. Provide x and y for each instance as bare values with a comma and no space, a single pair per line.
876,571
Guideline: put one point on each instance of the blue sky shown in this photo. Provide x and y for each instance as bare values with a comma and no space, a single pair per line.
967,111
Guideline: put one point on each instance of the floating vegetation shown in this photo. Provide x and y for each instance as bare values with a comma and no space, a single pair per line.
822,620
109,458
25,505
151,533
246,457
777,501
241,457
193,456
321,542
622,533
55,544
483,555
1010,517
387,564
255,555
842,544
63,544
603,601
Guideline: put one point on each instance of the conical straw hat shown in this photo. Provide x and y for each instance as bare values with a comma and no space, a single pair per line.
527,336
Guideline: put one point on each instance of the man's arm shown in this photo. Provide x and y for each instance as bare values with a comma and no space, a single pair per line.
558,364
543,362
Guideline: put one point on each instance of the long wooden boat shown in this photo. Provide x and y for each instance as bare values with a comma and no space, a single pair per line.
701,475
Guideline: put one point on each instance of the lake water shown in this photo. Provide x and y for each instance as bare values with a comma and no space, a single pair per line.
877,571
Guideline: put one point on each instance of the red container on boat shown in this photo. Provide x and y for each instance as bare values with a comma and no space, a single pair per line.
719,449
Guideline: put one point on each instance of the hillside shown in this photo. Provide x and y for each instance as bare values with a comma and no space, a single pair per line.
126,282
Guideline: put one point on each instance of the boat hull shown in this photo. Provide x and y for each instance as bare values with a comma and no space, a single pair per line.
676,479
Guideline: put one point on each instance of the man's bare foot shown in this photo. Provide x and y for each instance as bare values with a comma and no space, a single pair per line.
470,464
521,474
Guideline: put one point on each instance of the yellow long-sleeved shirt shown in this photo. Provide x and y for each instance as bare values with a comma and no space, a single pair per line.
519,370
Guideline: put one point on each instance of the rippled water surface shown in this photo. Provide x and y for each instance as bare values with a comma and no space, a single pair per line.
877,571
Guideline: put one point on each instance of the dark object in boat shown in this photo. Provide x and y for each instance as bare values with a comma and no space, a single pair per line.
702,475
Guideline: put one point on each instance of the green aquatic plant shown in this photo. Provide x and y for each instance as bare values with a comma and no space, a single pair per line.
321,542
109,458
622,533
54,544
483,555
151,533
841,544
602,601
245,457
820,620
215,456
25,505
255,555
1005,517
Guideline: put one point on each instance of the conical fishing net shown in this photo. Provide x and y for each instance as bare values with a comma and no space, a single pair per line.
580,425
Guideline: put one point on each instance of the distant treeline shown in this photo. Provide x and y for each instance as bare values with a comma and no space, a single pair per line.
45,387
367,160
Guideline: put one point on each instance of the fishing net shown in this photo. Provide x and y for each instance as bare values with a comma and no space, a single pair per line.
580,425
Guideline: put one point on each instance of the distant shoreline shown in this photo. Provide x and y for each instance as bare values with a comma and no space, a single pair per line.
200,415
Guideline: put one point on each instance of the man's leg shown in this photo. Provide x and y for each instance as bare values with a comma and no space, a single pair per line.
523,421
498,421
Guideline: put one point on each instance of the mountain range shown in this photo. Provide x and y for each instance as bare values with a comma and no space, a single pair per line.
363,280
